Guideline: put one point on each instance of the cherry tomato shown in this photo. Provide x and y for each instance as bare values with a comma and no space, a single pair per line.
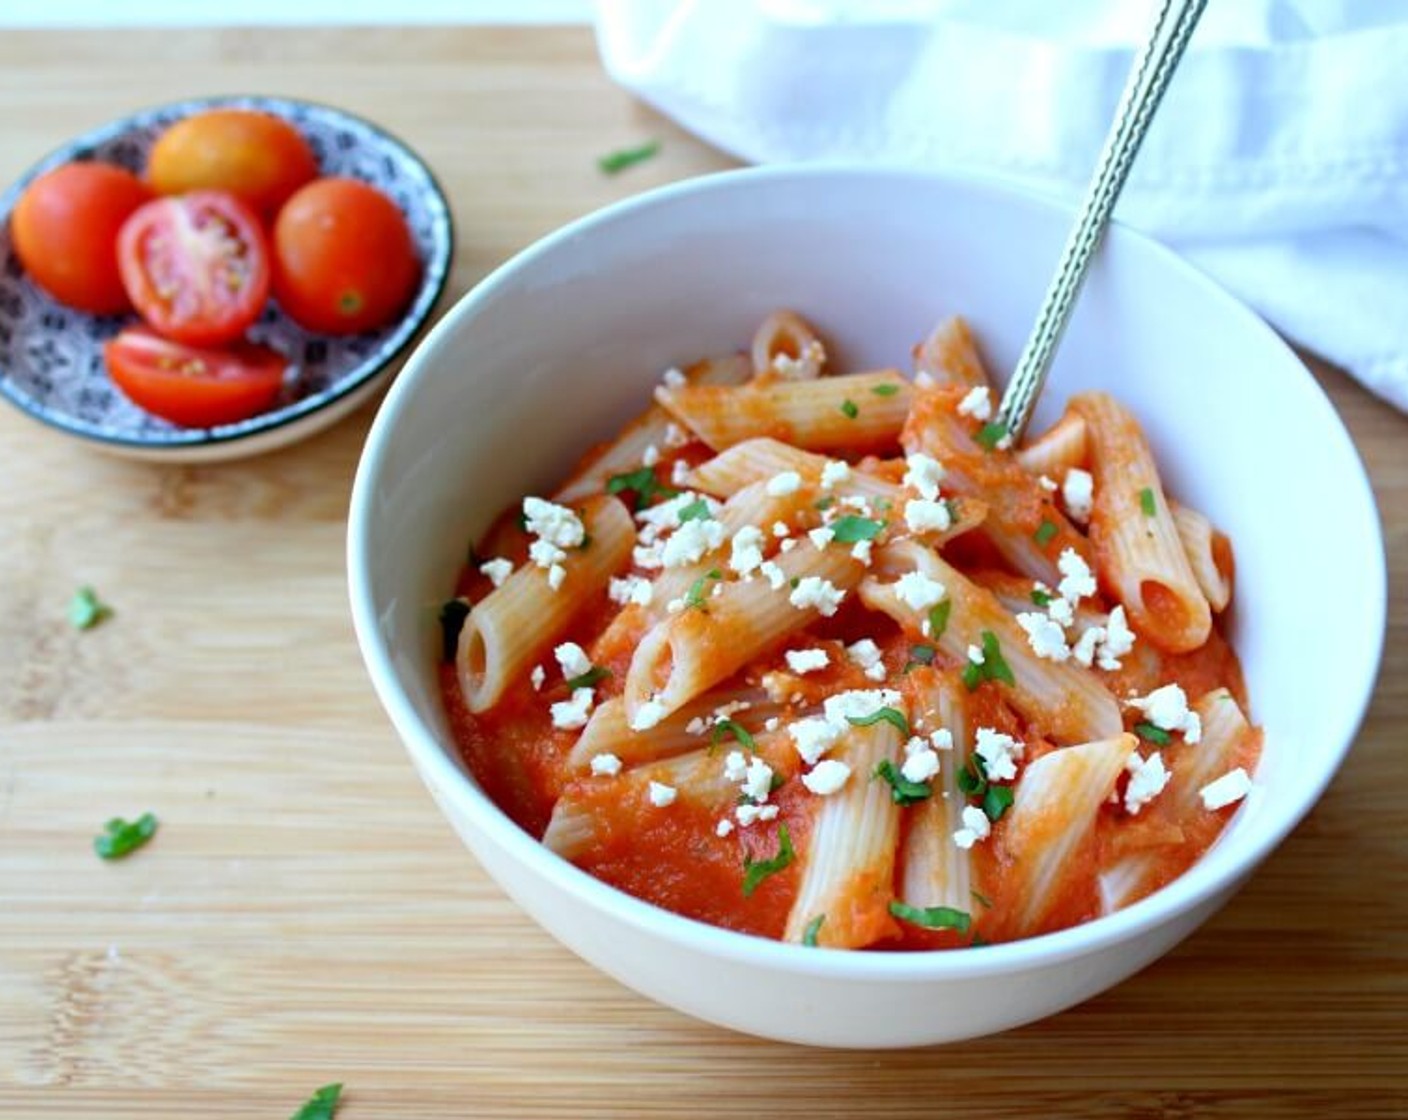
196,267
194,387
258,157
344,260
64,229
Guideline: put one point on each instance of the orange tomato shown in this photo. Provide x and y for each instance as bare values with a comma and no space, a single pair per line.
65,227
344,261
258,157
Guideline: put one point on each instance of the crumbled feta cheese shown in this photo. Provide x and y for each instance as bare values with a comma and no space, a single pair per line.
573,659
497,570
918,592
647,556
924,516
1147,778
827,777
772,723
780,485
862,551
776,577
814,592
1078,492
556,575
976,655
675,436
723,828
1117,639
650,456
942,739
860,702
735,766
630,589
866,655
553,525
813,737
1047,483
821,536
674,378
977,403
662,795
1086,645
545,554
788,545
1004,441
976,826
802,661
1226,790
1047,639
920,766
697,726
679,473
648,715
691,541
568,715
835,472
757,780
1061,612
658,519
1167,708
1077,580
1000,753
746,550
748,813
924,379
923,475
606,764
538,676
858,502
781,529
733,707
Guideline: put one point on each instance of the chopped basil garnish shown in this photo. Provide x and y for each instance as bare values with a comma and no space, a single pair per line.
86,610
321,1105
997,801
643,484
1041,598
1044,532
850,408
623,158
120,837
991,434
695,596
737,730
973,778
889,389
1146,502
902,790
850,529
813,928
697,510
938,618
1153,734
982,898
795,582
452,616
756,870
932,917
825,503
595,675
993,668
919,655
586,542
893,716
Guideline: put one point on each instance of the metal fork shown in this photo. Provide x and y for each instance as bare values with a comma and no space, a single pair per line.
1148,80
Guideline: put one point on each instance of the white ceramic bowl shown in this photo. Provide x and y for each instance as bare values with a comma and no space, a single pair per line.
555,349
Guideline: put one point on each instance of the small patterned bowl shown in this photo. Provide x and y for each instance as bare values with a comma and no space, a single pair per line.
51,360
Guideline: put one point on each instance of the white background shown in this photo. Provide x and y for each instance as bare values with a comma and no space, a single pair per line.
137,13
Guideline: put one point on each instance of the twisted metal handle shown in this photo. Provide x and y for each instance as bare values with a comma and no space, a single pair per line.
1148,80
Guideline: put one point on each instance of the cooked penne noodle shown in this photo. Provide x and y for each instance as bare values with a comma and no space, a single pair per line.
1058,449
785,347
856,412
1209,554
1141,553
1053,814
950,356
848,871
512,627
1061,696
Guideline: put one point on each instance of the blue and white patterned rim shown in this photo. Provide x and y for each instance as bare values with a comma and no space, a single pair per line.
51,363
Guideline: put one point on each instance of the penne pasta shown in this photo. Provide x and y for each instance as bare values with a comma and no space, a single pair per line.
512,628
786,348
950,355
856,412
1133,531
1058,449
1209,554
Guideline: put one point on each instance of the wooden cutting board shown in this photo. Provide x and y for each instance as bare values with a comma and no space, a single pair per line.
305,915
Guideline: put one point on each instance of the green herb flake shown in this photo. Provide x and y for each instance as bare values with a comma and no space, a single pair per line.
586,542
919,655
850,408
991,434
1044,532
1041,598
889,389
795,582
452,616
893,716
902,790
595,675
973,778
697,510
120,838
981,898
732,727
825,503
938,618
614,162
321,1105
756,870
972,676
932,917
1152,734
695,597
643,484
995,666
1147,503
813,928
86,610
996,801
850,529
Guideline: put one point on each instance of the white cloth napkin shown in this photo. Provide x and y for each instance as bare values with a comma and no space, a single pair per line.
1278,161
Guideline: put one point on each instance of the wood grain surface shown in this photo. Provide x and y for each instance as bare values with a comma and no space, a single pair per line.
305,916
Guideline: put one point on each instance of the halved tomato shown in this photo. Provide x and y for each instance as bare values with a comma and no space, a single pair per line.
196,267
196,388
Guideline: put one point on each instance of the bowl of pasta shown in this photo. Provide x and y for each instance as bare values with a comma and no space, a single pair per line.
750,654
